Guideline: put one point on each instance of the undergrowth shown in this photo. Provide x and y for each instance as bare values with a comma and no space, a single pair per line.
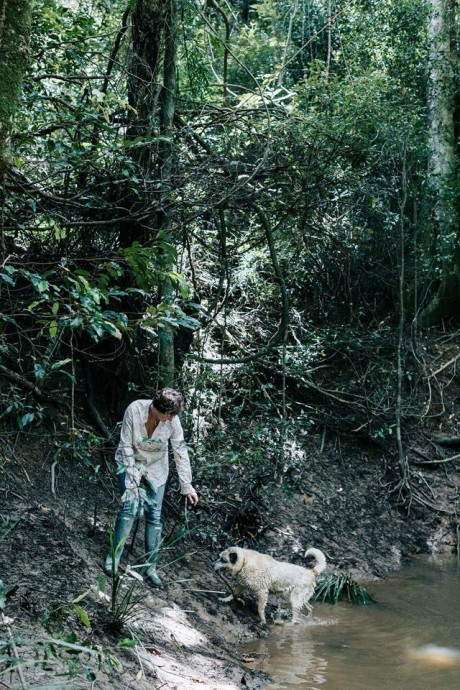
333,588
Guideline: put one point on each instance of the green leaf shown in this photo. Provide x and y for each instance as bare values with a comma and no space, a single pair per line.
83,616
53,329
2,595
26,419
39,371
7,278
102,583
129,644
81,596
61,363
42,285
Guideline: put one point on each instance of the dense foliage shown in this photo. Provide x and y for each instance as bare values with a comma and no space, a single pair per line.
248,177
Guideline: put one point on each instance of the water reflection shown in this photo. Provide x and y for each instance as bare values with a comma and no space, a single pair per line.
298,655
410,640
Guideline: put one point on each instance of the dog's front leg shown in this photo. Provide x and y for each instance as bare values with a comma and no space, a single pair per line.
262,599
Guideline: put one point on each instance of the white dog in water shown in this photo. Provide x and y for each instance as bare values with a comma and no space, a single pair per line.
264,575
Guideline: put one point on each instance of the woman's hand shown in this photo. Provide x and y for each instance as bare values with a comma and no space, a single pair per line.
193,498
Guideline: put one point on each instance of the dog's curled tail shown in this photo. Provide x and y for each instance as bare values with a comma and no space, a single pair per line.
319,557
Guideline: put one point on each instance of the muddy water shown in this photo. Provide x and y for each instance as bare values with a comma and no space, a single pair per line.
409,640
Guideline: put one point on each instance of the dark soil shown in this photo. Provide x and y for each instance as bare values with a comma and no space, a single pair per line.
54,537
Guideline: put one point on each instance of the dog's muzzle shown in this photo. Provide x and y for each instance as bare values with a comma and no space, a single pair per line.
217,565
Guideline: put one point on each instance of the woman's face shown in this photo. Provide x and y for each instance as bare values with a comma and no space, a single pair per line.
162,416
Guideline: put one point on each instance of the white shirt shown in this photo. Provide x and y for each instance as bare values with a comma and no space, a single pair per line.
152,453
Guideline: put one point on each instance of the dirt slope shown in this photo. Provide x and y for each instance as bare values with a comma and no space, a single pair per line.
54,537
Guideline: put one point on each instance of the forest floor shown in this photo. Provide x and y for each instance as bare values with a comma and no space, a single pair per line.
54,537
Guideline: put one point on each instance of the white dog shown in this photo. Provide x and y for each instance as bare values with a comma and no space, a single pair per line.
264,575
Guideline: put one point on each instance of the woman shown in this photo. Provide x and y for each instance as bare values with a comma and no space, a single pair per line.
142,460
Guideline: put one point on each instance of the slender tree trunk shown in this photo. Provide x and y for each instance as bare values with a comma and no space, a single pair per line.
167,110
287,45
442,172
15,18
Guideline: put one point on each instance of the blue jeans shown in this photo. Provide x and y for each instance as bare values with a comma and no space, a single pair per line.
152,513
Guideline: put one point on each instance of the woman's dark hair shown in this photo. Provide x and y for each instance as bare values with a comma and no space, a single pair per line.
168,401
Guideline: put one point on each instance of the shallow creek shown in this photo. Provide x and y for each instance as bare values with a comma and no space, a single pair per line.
409,640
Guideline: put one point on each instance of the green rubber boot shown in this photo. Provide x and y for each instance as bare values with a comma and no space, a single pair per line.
152,548
120,536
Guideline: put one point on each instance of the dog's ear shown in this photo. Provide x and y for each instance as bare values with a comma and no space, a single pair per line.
233,557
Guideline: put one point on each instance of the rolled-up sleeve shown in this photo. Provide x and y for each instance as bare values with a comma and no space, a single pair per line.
181,457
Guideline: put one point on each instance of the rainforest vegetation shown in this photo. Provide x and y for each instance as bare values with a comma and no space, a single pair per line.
253,201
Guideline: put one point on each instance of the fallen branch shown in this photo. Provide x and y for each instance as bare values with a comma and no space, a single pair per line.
444,366
437,462
445,440
27,385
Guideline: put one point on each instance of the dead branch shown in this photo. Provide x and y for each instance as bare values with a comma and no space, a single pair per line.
437,462
27,385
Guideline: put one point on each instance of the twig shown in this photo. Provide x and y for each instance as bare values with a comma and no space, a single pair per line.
437,462
416,497
11,528
224,579
53,476
206,591
444,366
15,651
458,544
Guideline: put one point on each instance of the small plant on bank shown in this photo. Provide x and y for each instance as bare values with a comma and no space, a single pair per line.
122,597
124,601
333,588
55,619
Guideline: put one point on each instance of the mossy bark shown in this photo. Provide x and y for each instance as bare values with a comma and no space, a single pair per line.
166,160
443,164
15,22
152,95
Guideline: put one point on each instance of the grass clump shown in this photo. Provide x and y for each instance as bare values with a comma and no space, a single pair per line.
332,588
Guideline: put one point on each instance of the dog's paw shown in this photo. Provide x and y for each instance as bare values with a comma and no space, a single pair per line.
227,599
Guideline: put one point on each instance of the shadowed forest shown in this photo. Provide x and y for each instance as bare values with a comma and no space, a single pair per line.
255,202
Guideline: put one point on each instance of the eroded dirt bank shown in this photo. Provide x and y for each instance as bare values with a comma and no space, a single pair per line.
55,534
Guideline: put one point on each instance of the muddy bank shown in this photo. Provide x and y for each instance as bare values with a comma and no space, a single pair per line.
55,536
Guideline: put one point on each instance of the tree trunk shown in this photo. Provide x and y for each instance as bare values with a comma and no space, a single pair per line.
442,171
144,88
15,18
168,104
152,96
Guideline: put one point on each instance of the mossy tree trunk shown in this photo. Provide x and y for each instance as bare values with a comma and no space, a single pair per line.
15,16
152,96
443,165
166,160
